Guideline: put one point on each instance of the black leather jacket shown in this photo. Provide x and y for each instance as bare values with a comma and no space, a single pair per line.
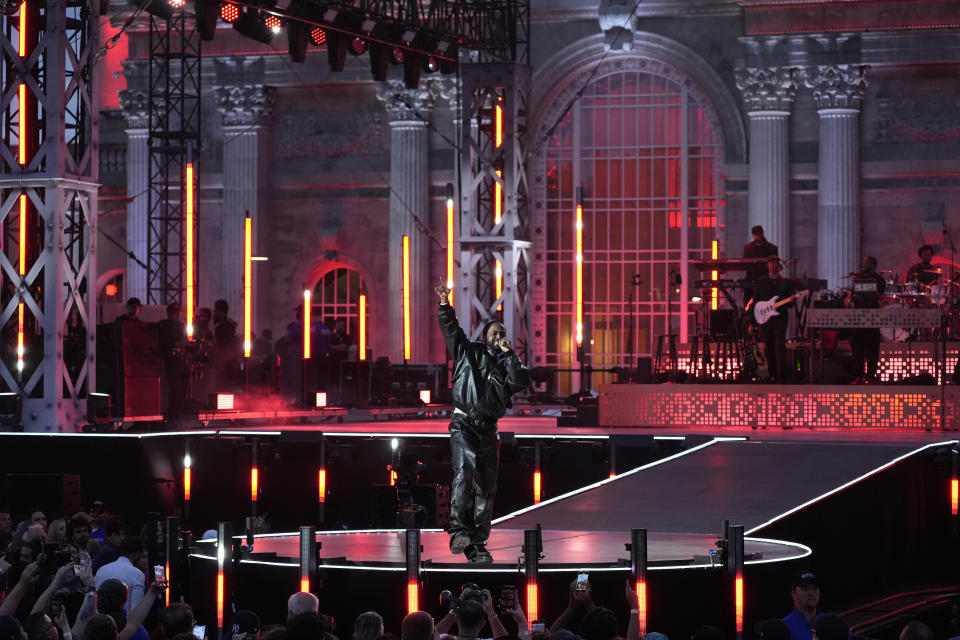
483,379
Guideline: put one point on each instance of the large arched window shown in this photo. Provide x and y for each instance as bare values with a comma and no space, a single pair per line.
642,148
337,297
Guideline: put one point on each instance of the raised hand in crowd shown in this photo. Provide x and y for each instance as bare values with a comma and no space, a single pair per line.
578,602
28,578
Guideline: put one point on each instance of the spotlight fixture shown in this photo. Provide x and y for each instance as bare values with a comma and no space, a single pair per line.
251,24
273,23
358,46
430,64
229,13
177,4
163,10
397,55
318,36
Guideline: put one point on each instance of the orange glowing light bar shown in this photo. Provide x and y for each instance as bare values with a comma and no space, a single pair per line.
22,106
533,605
306,324
450,247
498,271
738,594
166,577
247,285
954,495
579,290
187,483
22,31
642,607
22,268
498,125
612,475
406,297
320,400
220,599
254,483
714,255
413,597
322,486
305,585
189,250
362,352
536,487
393,478
497,199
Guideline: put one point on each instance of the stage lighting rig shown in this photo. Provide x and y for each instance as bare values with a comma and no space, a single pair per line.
251,24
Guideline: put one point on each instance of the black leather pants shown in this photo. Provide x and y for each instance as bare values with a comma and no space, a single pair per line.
475,453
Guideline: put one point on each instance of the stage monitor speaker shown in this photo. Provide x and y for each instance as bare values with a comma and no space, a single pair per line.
721,322
434,498
141,396
644,372
60,492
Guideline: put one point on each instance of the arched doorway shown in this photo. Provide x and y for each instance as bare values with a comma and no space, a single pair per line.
641,143
336,296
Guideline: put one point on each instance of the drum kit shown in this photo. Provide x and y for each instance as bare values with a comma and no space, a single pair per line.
940,291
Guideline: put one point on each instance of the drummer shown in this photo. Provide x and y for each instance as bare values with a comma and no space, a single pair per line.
923,272
867,287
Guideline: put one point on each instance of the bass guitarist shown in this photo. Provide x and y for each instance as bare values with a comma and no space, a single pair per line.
774,332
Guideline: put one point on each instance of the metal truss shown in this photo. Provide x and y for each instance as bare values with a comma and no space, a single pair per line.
482,241
499,30
48,209
173,141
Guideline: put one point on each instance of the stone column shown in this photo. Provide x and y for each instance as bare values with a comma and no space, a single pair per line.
136,110
838,92
409,110
245,110
768,96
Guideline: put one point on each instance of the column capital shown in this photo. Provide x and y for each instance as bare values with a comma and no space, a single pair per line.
405,104
135,106
768,88
245,105
838,86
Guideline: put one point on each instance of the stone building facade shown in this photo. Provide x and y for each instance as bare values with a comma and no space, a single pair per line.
833,124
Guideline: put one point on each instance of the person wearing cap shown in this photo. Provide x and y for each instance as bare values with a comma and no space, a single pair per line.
245,625
773,333
757,248
806,598
486,374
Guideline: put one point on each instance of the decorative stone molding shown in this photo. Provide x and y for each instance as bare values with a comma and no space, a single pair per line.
245,105
411,104
904,118
768,88
135,105
838,86
616,19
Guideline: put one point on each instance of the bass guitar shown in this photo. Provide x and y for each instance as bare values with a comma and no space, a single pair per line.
766,309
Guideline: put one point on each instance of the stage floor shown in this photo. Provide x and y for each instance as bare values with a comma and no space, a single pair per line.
681,500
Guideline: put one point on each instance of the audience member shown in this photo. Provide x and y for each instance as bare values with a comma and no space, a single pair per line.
38,519
772,629
10,629
127,568
806,599
832,627
306,626
273,632
177,618
133,311
6,529
302,602
245,625
57,532
112,600
368,626
114,534
78,535
99,518
417,625
913,630
579,604
955,619
101,627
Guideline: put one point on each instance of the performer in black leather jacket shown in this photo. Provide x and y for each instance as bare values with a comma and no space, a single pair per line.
485,375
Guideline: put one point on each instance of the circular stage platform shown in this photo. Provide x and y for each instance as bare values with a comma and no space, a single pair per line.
563,550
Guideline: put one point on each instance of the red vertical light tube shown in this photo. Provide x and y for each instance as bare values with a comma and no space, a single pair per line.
413,597
738,600
322,485
642,607
498,123
954,495
578,303
536,486
450,242
166,576
406,297
362,347
306,323
254,484
22,158
305,585
247,284
220,598
533,605
189,250
714,293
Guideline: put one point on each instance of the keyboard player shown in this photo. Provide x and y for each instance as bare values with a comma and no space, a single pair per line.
866,290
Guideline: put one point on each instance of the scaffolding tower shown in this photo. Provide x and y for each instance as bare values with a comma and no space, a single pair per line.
173,143
48,211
